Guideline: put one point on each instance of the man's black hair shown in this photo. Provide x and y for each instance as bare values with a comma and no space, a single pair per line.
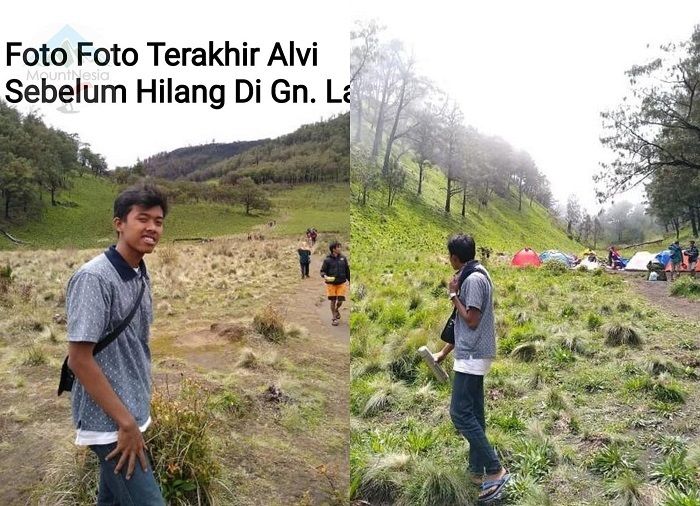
333,245
144,194
462,246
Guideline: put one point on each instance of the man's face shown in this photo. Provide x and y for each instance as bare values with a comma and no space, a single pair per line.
336,250
141,229
454,261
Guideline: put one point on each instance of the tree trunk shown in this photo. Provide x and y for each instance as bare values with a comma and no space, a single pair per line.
392,135
358,130
676,226
449,194
464,200
380,120
520,195
420,177
7,205
693,221
53,196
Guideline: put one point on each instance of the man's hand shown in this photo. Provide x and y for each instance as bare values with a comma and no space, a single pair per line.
439,356
130,446
454,284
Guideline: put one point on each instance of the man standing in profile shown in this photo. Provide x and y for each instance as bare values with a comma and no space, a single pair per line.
692,253
111,397
676,259
475,350
336,271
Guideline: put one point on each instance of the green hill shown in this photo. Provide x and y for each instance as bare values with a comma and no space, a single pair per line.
593,398
86,221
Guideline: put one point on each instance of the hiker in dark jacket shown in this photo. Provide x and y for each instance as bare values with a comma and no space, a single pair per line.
336,271
304,259
676,259
692,253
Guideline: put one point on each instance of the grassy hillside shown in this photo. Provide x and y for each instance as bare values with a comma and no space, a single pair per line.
87,223
579,411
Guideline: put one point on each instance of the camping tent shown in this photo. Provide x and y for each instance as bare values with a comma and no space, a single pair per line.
663,257
552,255
639,261
591,265
684,265
525,257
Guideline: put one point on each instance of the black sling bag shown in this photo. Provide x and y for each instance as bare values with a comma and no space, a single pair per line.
65,384
448,333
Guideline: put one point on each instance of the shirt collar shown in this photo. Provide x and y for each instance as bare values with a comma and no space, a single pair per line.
126,272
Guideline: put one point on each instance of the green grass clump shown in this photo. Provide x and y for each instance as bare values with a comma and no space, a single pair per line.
382,479
621,334
612,460
436,483
525,352
686,287
674,470
593,321
533,457
269,323
179,441
674,496
386,394
627,489
35,356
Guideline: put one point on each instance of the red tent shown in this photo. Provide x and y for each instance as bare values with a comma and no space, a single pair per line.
684,265
525,257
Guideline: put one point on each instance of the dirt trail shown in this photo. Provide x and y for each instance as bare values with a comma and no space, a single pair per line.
658,294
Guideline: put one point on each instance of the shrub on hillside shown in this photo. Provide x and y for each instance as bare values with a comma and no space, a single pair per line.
181,447
685,287
268,322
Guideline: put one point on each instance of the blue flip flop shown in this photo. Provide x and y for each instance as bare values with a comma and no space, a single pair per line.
497,493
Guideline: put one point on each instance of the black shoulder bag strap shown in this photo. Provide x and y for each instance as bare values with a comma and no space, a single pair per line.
65,384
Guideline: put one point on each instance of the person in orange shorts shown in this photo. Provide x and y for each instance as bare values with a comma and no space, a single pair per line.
336,271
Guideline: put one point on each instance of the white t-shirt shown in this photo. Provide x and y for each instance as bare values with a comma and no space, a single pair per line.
93,437
475,366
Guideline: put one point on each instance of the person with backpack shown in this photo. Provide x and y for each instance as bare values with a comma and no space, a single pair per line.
474,335
336,272
692,253
304,252
313,235
676,259
111,392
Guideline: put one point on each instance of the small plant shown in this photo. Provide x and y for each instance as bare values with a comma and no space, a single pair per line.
613,460
619,334
35,356
685,287
627,489
623,307
269,323
380,480
674,470
561,355
555,401
525,352
508,422
668,444
385,395
5,278
436,483
568,311
668,392
182,452
247,359
554,268
533,457
593,321
676,497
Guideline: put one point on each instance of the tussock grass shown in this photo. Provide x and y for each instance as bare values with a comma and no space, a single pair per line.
526,352
181,446
621,334
435,483
627,489
382,479
674,470
386,394
247,359
613,459
270,324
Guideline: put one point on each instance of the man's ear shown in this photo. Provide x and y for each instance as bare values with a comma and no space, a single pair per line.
118,224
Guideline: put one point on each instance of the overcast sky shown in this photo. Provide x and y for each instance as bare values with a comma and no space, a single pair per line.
123,133
537,73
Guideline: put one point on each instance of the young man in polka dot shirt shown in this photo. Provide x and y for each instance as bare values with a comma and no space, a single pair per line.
112,392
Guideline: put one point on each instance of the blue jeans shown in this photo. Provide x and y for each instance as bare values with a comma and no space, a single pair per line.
467,413
115,490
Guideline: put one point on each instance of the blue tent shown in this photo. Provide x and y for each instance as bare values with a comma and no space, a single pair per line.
663,257
552,255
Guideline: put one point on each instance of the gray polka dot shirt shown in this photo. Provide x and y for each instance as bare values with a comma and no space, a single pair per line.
99,297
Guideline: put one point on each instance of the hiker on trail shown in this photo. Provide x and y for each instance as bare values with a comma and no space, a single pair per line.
313,234
676,259
111,395
692,253
475,350
304,258
336,271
